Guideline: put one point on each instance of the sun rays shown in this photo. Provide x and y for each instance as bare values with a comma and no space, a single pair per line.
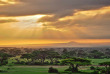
7,2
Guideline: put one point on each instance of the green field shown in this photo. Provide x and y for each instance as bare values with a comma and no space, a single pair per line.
31,69
36,69
96,61
44,69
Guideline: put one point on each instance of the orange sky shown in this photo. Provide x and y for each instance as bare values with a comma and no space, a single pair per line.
23,42
77,24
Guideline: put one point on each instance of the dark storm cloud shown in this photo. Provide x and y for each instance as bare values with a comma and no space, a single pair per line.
57,7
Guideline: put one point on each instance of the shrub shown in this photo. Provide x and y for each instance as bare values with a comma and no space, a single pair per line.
103,71
69,69
69,72
8,68
92,68
37,63
4,62
96,72
22,62
52,70
46,63
98,68
3,71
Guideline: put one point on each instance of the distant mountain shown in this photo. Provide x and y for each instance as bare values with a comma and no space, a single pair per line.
69,44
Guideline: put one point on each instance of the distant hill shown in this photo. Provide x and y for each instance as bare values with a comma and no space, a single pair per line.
69,44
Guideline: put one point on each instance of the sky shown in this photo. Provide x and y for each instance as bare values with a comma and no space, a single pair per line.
54,21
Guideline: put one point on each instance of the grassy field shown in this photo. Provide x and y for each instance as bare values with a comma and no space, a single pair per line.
37,69
44,69
31,69
96,61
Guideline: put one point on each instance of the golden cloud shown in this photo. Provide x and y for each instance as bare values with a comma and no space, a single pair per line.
83,23
7,20
8,2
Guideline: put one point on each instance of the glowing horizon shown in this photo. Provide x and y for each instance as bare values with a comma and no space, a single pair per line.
25,22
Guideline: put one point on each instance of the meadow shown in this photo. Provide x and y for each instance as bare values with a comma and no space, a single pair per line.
36,69
97,61
24,69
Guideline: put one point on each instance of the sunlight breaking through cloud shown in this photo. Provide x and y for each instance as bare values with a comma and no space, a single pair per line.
7,2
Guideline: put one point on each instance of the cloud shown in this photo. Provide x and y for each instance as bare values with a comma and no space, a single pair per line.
59,8
8,2
84,24
66,19
7,20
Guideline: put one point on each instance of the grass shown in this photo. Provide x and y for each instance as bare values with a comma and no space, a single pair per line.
97,61
31,69
39,69
44,69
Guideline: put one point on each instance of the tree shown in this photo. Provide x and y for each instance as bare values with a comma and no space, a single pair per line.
72,53
27,56
53,55
3,50
39,54
107,66
107,53
14,52
81,53
3,58
96,54
65,53
75,63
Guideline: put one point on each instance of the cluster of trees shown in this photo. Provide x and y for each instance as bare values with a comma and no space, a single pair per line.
93,54
3,58
84,53
75,63
43,57
48,56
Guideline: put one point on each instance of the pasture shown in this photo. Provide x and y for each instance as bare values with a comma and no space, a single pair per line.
37,69
23,69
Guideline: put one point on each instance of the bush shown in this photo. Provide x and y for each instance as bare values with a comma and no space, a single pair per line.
69,69
46,63
103,71
98,68
37,63
52,70
92,68
10,64
4,62
3,71
96,72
